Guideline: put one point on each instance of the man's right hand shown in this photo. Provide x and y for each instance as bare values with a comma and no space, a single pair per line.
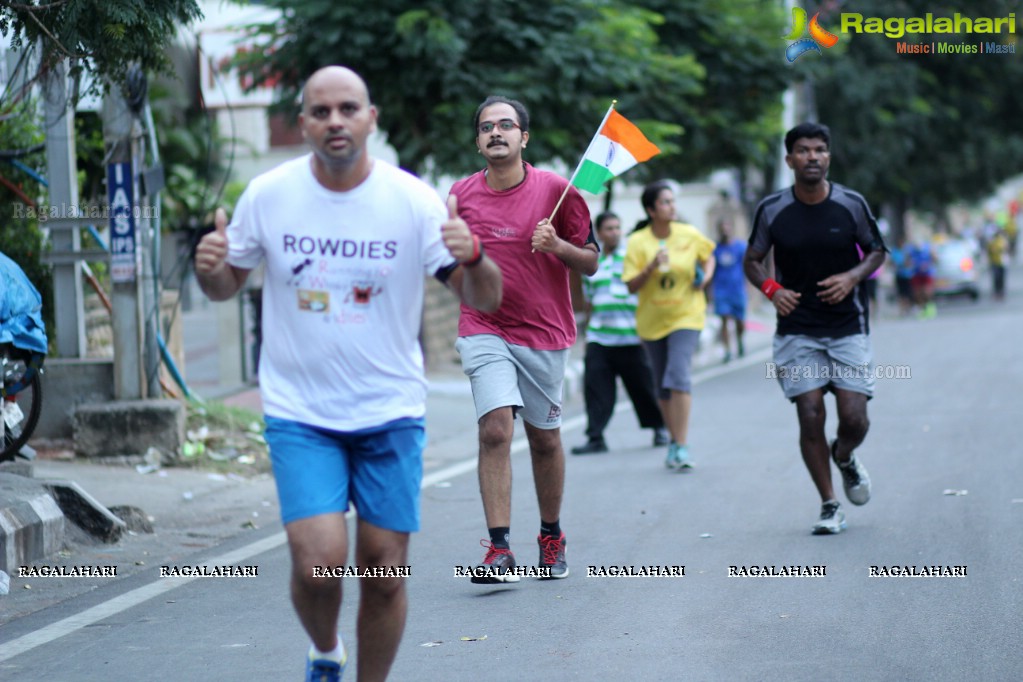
211,253
785,301
456,234
661,258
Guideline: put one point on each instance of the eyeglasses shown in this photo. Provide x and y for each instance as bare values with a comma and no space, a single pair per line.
504,125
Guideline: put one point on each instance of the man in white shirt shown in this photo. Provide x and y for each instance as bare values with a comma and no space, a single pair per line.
346,239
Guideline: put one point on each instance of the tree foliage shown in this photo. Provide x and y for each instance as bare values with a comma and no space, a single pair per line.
20,237
103,38
429,64
734,119
921,130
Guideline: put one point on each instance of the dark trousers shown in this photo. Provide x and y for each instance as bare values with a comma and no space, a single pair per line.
603,365
998,279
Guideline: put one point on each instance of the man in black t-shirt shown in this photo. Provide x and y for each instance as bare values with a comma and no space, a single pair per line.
822,340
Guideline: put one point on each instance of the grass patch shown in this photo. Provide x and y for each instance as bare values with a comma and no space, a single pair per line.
224,439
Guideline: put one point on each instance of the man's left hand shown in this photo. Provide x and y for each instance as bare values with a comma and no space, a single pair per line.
836,288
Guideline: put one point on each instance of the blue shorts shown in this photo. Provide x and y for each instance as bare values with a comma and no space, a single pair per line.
379,470
730,306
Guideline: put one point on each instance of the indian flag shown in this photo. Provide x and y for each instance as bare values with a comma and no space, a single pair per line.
617,147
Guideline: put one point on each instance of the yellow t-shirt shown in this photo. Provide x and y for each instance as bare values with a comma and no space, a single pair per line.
996,249
668,301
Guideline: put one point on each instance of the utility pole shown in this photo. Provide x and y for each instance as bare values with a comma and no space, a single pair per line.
121,132
62,171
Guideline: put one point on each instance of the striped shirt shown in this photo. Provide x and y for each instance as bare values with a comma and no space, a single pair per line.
613,308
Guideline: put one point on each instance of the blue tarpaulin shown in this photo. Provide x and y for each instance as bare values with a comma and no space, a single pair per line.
21,308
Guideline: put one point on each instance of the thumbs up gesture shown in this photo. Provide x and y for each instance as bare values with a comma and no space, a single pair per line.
460,242
211,253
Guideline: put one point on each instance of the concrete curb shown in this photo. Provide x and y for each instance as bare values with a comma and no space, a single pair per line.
31,523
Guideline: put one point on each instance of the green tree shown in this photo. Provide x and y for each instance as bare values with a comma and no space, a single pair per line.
429,64
20,237
920,130
734,120
100,37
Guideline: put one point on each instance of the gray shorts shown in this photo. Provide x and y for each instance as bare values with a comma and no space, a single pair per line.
807,363
505,375
672,361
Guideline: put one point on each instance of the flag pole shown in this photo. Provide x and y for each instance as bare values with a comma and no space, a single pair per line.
579,165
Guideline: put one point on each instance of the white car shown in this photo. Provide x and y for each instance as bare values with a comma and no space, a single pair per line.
955,269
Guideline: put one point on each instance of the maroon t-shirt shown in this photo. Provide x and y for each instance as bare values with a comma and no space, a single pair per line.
536,308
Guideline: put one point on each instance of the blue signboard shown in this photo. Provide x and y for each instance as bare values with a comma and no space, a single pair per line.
120,192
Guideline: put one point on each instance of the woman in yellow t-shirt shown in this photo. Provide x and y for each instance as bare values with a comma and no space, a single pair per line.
669,263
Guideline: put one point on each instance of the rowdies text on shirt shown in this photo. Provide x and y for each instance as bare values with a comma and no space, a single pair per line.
345,248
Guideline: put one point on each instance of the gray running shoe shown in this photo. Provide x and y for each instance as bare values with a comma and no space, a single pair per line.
552,555
832,520
497,567
855,479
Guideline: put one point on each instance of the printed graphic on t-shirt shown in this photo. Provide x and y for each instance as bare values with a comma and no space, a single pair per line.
350,272
314,301
501,232
297,268
362,293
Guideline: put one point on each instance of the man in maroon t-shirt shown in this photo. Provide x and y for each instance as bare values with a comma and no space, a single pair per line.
515,357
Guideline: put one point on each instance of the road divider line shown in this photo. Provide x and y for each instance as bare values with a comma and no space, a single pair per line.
128,600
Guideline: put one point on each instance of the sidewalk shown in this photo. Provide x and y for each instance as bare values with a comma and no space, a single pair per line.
192,510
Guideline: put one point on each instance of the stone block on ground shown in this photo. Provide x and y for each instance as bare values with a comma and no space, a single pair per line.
129,427
85,511
135,519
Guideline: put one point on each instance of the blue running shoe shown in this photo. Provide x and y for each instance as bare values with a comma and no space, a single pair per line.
685,462
325,669
672,461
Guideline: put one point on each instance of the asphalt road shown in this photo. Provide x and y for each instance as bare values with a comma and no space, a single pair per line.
948,427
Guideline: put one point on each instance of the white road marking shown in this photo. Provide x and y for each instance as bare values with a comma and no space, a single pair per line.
160,586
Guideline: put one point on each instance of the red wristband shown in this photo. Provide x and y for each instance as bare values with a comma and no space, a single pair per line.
477,253
770,288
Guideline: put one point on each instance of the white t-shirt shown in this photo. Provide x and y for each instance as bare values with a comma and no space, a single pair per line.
342,291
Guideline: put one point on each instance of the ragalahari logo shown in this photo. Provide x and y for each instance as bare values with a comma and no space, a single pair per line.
818,36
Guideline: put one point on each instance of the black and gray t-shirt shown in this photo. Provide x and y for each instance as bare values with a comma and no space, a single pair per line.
811,243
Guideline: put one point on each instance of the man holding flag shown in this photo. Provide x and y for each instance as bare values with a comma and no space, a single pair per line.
515,357
536,227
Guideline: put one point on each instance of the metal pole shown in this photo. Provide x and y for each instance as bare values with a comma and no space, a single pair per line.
62,172
148,289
